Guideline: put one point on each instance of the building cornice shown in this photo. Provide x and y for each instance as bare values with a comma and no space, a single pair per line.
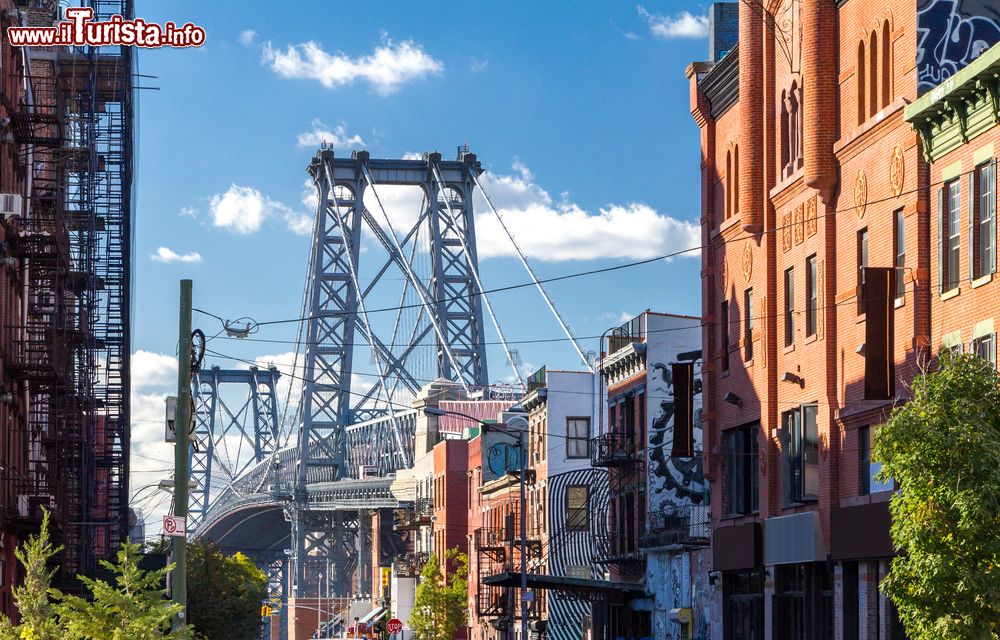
721,85
624,363
960,108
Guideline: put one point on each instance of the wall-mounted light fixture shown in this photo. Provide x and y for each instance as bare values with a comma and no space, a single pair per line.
860,350
788,376
733,399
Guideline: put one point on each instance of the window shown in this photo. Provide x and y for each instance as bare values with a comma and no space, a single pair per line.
985,348
748,324
872,75
724,333
868,467
728,191
800,443
577,437
578,507
861,84
984,224
743,604
812,297
741,474
579,571
952,214
736,179
899,250
789,307
886,57
862,263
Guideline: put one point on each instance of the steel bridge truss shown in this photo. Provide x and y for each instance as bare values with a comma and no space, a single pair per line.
219,427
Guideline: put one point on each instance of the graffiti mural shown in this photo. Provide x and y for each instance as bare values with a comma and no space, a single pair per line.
672,481
502,458
950,35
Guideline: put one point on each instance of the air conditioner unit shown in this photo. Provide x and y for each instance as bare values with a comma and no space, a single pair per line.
11,206
29,506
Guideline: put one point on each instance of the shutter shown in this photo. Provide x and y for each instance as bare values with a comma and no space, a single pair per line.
993,227
973,245
940,244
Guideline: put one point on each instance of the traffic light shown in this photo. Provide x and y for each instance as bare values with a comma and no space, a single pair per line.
265,611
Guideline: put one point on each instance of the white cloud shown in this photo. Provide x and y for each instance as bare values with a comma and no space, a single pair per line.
413,155
188,212
150,369
247,37
555,231
164,254
244,209
551,230
682,25
386,69
337,138
477,65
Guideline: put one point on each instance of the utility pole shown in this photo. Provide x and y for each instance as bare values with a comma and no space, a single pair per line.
182,423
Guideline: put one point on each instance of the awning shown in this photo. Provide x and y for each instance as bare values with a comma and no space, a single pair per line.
373,617
607,590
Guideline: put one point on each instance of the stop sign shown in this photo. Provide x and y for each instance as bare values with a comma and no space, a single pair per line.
394,626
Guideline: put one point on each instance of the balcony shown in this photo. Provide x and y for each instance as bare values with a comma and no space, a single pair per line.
612,449
679,527
409,565
416,516
618,549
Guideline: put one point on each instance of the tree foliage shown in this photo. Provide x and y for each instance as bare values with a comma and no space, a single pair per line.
224,593
135,607
441,601
35,597
943,449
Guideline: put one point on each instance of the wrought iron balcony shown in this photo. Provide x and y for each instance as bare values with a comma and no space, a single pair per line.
683,526
613,449
409,565
416,516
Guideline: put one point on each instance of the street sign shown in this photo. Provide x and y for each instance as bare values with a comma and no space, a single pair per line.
174,526
394,626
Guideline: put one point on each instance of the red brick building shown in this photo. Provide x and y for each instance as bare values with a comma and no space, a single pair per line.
816,191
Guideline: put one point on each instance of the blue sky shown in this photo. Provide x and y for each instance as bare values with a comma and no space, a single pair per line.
579,111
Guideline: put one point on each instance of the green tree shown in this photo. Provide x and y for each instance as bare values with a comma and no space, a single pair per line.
943,449
134,608
440,604
35,598
224,593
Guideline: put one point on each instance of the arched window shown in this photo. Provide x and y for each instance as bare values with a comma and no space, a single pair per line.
785,159
873,75
861,82
886,65
736,179
728,191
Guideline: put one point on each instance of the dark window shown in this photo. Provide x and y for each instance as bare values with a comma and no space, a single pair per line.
800,442
790,601
741,475
789,307
724,333
748,324
850,599
862,263
812,296
860,73
985,347
743,605
578,437
899,251
953,234
984,223
578,507
868,468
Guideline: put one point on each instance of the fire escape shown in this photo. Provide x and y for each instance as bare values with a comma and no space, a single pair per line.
498,551
73,242
619,548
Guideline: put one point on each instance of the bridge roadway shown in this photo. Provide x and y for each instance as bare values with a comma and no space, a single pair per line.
254,513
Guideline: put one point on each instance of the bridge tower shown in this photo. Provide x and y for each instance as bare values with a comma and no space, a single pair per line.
351,200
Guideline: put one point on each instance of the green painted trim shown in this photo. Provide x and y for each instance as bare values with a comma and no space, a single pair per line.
953,339
953,170
990,57
984,328
983,154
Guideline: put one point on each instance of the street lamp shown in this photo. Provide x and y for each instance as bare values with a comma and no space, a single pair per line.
519,436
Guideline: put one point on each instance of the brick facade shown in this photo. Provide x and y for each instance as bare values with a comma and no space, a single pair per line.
811,171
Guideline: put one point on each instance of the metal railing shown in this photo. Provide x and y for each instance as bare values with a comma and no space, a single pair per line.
685,525
612,449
